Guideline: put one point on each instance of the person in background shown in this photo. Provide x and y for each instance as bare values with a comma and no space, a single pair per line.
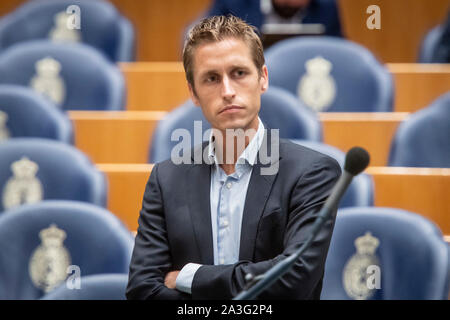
259,12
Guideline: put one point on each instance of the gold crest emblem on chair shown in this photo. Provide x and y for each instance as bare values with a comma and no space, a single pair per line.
50,260
61,31
355,274
317,88
23,187
48,81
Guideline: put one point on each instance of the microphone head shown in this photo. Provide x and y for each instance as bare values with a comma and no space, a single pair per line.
356,160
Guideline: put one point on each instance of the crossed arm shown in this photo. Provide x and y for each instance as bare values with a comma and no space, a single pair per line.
170,279
152,275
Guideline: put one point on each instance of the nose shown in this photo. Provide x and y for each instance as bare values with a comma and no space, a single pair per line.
228,92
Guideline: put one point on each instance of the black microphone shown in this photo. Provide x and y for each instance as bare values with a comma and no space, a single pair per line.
356,160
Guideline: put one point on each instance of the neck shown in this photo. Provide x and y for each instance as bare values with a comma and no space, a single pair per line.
230,144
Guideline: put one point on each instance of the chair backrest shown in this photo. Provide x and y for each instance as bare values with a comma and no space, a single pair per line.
95,23
422,139
279,110
385,254
47,243
74,76
33,169
25,113
429,45
360,191
330,74
94,287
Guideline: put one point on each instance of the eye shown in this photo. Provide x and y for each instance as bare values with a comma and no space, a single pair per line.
239,73
211,78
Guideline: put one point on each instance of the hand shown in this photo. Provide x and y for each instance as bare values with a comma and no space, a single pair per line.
170,280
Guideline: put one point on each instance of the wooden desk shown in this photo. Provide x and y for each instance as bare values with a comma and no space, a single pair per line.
420,190
400,35
154,85
116,136
417,85
125,136
126,186
372,131
162,85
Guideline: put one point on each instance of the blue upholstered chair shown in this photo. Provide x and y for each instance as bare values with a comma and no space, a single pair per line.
73,76
385,254
430,44
361,190
94,287
100,26
422,139
33,169
51,243
279,110
330,74
25,113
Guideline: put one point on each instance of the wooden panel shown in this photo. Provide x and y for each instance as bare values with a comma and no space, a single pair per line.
420,190
404,23
162,85
372,131
126,186
155,86
159,25
125,136
120,137
417,85
7,6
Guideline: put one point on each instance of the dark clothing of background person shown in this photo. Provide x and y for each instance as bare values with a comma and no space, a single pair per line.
318,11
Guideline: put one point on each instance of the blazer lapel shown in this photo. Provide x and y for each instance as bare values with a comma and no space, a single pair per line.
199,184
199,178
257,194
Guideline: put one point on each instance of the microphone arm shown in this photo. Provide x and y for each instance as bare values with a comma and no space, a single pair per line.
260,283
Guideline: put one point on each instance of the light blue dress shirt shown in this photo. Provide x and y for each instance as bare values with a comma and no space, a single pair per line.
227,198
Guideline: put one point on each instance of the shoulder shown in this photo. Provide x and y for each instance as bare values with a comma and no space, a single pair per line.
182,164
295,155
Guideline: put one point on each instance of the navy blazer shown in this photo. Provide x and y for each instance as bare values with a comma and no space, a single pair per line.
319,11
175,228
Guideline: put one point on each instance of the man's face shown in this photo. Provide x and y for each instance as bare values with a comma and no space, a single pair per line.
228,86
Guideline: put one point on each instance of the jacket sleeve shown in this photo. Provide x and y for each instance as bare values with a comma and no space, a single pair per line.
151,259
307,197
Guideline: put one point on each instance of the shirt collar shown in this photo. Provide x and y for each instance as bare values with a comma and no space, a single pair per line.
251,151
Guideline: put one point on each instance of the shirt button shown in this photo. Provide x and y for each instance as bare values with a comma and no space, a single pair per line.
229,185
222,261
225,223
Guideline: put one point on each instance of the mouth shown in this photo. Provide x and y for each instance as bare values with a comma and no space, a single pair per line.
230,109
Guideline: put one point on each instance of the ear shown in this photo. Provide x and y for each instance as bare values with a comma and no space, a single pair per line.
264,80
193,95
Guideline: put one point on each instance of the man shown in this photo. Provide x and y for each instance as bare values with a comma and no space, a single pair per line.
259,12
204,226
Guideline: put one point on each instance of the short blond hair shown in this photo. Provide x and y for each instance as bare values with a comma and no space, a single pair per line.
218,28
